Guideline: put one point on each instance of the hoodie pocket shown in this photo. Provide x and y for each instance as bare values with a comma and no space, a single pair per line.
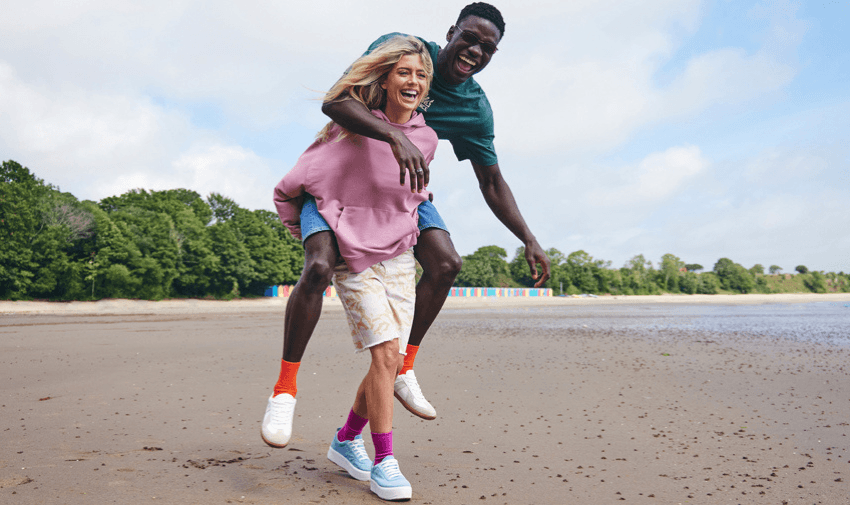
365,230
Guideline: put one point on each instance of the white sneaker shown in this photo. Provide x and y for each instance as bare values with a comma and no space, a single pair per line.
408,393
277,423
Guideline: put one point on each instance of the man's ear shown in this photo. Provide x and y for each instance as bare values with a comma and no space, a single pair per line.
451,33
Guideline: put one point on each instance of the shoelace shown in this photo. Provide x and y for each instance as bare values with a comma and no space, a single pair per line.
391,470
359,448
413,385
282,413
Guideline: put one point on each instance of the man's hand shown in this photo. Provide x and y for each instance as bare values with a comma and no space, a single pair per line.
410,161
355,117
534,255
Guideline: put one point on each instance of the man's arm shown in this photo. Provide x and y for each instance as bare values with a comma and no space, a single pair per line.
501,201
355,117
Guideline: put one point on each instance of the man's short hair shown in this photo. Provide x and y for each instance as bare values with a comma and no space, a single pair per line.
484,11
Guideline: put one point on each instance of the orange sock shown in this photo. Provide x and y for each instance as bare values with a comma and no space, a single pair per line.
409,358
286,381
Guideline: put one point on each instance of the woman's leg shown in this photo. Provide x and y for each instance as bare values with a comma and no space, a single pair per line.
374,399
386,479
374,395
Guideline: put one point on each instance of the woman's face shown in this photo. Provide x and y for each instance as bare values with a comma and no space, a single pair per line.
405,86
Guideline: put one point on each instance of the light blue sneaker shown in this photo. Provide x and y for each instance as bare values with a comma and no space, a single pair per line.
351,455
387,481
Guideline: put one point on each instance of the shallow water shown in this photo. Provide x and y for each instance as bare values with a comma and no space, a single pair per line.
823,322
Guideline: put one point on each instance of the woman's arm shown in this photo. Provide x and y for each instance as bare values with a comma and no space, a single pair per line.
356,118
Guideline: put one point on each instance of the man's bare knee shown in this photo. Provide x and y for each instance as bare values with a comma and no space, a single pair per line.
452,265
317,273
320,253
438,257
445,269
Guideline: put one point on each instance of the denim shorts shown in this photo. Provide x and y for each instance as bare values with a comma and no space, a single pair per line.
313,222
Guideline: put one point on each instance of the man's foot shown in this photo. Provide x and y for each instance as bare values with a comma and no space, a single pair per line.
408,393
277,423
387,481
351,455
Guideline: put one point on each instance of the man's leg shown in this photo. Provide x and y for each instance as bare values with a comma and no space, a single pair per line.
302,313
440,264
305,302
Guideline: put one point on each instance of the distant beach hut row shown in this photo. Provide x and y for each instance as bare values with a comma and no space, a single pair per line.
500,292
285,290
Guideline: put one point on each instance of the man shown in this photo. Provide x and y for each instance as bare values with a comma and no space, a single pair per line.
457,109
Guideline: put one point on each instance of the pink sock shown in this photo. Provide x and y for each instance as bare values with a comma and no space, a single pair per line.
383,443
353,426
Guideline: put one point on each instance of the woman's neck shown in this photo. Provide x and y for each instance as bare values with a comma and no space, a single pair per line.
397,116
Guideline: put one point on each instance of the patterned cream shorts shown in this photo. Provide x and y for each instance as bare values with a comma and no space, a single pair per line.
379,301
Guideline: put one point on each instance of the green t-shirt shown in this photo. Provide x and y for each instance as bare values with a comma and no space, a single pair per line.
460,114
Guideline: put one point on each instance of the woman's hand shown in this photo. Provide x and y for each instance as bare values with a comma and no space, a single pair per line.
410,161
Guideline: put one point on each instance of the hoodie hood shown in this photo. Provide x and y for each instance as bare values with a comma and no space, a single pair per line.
417,120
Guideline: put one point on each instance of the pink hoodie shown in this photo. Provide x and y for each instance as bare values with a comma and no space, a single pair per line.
356,185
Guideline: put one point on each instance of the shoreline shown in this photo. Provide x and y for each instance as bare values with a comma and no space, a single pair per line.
192,305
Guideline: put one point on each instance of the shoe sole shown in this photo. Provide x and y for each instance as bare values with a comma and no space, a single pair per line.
412,410
392,493
346,465
272,444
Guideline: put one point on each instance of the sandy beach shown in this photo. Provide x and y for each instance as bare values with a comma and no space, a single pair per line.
539,401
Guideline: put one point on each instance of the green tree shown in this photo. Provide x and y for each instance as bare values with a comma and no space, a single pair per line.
734,277
519,268
223,208
757,269
290,248
112,245
637,276
693,267
801,269
21,194
669,272
775,269
689,283
709,284
584,274
486,267
815,282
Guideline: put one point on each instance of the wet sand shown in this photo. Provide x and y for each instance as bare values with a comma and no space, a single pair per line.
161,402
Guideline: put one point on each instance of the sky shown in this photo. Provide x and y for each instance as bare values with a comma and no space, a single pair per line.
704,129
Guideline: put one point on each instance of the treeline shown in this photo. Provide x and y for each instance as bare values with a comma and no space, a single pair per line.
142,244
162,244
579,272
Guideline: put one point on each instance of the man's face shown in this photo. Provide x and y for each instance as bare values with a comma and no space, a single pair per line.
464,56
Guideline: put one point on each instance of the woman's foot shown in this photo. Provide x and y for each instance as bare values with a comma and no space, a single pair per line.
387,481
351,456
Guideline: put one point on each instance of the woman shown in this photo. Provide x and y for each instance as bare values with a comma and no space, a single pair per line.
374,221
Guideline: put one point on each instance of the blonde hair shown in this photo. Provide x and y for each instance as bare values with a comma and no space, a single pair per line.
362,81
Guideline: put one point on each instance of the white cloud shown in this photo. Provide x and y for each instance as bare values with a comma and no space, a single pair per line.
230,170
592,82
97,145
655,179
74,133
